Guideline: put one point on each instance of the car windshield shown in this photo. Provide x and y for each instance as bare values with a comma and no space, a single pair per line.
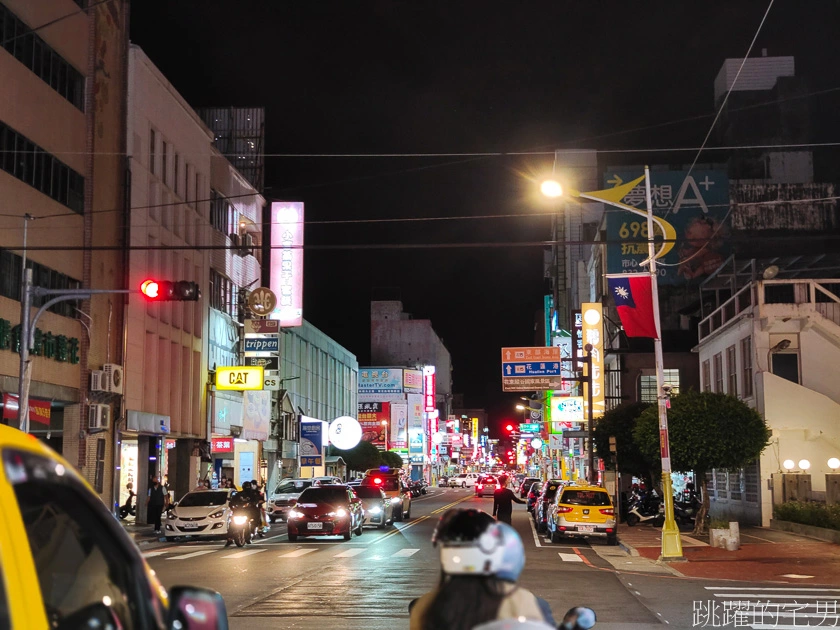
368,492
585,497
203,499
292,486
331,495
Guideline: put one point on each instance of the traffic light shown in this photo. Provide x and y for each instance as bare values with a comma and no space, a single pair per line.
509,428
168,291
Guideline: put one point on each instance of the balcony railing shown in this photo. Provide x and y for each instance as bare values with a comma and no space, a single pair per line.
816,296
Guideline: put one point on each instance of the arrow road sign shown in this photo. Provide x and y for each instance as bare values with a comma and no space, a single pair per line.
541,368
523,367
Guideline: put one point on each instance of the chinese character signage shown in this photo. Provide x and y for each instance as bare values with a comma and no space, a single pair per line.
39,410
311,442
429,386
56,347
694,205
287,262
413,381
374,380
221,445
371,416
593,333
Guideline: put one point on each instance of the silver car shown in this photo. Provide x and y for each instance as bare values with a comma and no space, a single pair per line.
199,514
377,506
284,497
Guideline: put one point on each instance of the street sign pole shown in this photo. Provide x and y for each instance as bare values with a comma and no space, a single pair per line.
671,542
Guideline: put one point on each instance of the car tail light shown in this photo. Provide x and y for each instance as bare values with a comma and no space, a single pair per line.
531,495
562,528
479,486
609,530
377,481
563,510
607,511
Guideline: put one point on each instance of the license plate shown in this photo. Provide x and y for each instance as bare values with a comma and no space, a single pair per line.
315,526
190,526
586,528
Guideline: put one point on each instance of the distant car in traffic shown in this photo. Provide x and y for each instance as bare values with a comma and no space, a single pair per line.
546,496
326,481
533,493
378,508
486,486
582,512
443,482
199,514
464,480
396,490
284,497
329,510
525,485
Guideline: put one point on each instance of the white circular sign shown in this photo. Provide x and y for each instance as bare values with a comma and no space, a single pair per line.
592,317
537,443
345,432
437,438
834,463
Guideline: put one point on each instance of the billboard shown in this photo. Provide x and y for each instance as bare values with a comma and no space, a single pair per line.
371,417
566,409
399,426
373,380
256,415
429,391
413,381
287,262
311,442
694,204
593,334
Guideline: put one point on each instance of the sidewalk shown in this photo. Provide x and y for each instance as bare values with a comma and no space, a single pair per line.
141,534
765,556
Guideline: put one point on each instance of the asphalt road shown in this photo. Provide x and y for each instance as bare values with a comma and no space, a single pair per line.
367,583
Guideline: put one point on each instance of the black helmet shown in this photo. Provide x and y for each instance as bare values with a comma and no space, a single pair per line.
461,525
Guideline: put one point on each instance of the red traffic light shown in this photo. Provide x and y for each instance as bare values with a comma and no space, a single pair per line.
150,288
509,428
168,291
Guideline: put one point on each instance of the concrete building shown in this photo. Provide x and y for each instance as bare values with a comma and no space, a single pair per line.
239,134
771,344
62,136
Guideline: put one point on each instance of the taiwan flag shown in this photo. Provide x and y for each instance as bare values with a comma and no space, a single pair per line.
634,301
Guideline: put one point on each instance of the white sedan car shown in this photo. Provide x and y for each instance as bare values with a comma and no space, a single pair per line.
199,514
464,480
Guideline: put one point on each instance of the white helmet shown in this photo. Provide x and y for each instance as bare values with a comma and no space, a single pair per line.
472,543
515,624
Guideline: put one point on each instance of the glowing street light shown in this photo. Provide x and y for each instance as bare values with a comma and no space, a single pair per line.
551,188
789,464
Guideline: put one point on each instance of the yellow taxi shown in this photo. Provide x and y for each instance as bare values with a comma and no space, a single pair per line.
66,561
582,511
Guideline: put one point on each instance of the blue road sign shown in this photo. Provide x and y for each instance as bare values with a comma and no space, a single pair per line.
534,368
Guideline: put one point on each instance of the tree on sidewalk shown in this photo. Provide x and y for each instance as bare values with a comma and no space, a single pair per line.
359,458
619,423
707,431
392,459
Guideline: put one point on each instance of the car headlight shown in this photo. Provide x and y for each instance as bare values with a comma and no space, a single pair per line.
375,510
396,500
218,514
340,513
295,514
240,520
171,516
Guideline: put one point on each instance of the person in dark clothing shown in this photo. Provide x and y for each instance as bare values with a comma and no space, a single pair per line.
154,503
503,499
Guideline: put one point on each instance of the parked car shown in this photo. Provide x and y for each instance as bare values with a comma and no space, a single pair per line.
63,551
397,492
464,480
284,497
582,512
377,506
199,514
533,493
546,496
526,485
326,481
328,510
486,486
443,482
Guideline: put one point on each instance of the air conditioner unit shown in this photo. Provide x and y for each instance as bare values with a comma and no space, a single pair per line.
98,381
235,239
248,243
99,417
113,378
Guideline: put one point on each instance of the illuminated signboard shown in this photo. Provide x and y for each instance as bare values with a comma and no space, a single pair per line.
221,445
240,378
287,262
593,333
429,388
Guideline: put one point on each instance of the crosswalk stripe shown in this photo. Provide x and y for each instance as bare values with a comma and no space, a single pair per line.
405,553
297,553
349,553
570,557
153,554
242,554
191,555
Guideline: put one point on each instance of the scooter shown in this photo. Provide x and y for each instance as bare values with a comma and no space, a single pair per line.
643,509
129,508
685,512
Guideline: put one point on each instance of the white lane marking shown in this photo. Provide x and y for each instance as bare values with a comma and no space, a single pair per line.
349,553
297,553
762,588
192,555
405,553
242,554
534,531
152,554
570,557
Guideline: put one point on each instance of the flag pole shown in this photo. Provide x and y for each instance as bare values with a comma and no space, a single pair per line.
671,542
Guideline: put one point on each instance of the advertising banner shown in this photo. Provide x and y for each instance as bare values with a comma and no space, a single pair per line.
373,380
694,205
287,262
399,426
262,343
311,442
566,409
413,381
593,333
371,417
429,389
39,410
256,415
221,445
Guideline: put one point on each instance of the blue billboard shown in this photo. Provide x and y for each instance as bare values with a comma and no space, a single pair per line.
695,205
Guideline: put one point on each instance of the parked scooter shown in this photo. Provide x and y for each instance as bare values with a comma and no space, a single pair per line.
129,508
685,512
645,508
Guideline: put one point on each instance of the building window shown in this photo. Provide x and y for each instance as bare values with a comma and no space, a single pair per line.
746,367
152,148
718,358
224,294
647,385
42,276
707,376
786,366
164,171
731,372
27,47
25,160
176,182
222,214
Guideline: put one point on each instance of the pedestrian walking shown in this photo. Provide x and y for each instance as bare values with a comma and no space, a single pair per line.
155,503
503,499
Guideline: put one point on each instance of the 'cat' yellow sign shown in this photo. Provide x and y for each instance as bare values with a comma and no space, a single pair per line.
240,377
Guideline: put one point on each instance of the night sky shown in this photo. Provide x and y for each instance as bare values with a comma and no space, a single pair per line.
456,76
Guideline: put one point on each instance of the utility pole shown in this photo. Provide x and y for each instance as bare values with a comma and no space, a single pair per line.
671,542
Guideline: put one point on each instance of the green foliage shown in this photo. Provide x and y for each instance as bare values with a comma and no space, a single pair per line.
392,459
816,514
620,422
361,457
707,431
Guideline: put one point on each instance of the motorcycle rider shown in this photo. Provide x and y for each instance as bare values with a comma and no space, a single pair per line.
481,561
260,495
245,502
